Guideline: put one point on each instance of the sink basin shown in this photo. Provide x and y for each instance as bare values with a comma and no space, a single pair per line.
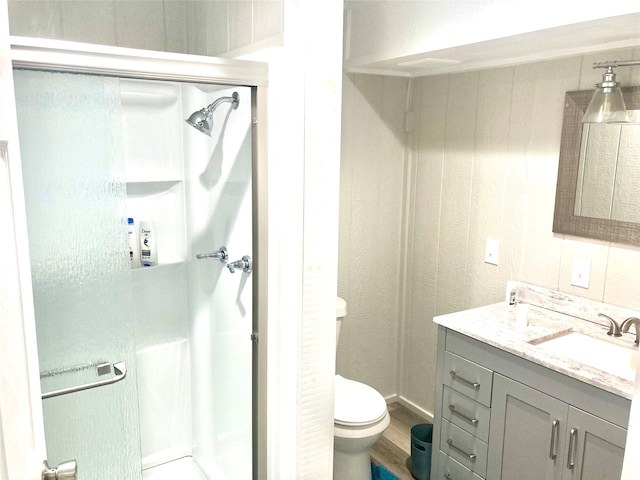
601,354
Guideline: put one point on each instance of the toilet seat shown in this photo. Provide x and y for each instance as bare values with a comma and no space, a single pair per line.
357,404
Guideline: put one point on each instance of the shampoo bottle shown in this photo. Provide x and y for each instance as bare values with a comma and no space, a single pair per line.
134,244
148,252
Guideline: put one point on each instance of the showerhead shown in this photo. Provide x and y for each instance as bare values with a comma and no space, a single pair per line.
202,120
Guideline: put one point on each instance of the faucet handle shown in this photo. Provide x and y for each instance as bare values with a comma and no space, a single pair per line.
221,254
246,264
614,328
632,321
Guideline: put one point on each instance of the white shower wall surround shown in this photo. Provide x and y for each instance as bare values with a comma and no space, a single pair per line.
218,177
193,317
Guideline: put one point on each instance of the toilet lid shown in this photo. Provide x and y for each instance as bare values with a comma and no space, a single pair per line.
356,403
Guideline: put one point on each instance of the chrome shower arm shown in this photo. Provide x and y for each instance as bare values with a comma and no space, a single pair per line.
233,99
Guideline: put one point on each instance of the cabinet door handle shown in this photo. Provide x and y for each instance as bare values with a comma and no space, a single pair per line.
472,421
555,431
573,437
455,376
447,476
470,456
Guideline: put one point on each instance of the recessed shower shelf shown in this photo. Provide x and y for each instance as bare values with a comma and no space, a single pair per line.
172,263
148,188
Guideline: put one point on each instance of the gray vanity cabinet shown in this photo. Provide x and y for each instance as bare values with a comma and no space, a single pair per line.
527,429
500,417
599,451
538,437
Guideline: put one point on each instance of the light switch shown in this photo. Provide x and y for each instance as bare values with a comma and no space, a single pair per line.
491,251
581,272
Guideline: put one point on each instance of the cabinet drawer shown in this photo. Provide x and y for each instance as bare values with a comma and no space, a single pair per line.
449,469
464,447
466,413
468,378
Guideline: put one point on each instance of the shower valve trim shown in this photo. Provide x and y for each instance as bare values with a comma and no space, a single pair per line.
221,254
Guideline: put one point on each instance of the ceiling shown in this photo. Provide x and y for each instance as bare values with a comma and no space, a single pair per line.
579,38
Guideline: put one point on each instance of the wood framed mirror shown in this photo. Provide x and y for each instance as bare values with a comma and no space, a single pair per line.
588,175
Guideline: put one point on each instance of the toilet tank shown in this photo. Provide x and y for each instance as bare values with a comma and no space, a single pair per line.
341,312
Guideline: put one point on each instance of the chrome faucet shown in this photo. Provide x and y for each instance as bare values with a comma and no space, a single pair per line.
631,321
221,254
614,328
246,264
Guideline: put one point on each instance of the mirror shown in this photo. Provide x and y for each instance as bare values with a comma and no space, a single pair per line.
608,183
598,190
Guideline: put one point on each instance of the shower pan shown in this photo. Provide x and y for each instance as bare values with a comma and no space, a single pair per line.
149,373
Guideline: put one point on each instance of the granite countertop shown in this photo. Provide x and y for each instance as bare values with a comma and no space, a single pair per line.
496,325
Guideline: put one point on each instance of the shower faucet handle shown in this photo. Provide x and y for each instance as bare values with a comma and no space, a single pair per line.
221,254
245,264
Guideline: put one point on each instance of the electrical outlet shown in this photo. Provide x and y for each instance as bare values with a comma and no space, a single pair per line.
491,251
581,272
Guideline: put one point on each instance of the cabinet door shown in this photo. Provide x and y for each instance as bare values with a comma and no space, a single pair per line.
595,449
527,433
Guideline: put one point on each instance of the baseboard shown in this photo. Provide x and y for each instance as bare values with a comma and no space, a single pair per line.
413,407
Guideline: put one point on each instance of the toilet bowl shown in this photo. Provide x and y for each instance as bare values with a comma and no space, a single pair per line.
360,417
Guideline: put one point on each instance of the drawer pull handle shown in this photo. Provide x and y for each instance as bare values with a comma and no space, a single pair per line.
470,456
555,431
455,376
472,421
448,477
573,437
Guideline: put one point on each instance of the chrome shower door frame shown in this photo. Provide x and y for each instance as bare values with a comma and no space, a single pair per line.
72,57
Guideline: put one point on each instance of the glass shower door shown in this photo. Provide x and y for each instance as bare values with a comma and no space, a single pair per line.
71,146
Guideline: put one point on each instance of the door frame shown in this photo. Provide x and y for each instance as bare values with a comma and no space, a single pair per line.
24,461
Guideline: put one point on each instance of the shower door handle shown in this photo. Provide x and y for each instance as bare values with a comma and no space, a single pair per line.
65,471
119,368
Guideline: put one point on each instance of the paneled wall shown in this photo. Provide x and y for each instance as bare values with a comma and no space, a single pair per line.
370,257
480,162
182,26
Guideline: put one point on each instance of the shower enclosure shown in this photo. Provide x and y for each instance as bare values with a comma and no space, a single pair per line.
151,372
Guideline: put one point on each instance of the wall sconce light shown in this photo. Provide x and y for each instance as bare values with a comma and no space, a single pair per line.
607,104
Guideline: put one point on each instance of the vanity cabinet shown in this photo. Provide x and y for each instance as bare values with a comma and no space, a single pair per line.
538,437
464,426
501,417
599,447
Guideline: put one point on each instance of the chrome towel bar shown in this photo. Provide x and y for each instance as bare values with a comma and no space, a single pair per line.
119,368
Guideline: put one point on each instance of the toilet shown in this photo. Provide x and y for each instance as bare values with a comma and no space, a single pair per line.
360,416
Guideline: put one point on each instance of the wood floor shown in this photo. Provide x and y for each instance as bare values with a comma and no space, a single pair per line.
393,449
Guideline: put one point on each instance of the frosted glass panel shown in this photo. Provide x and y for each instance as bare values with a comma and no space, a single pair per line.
70,138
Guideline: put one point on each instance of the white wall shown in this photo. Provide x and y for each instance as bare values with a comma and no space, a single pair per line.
22,446
371,204
198,27
482,163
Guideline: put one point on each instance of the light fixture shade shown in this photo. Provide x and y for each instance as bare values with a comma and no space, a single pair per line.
606,107
607,104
